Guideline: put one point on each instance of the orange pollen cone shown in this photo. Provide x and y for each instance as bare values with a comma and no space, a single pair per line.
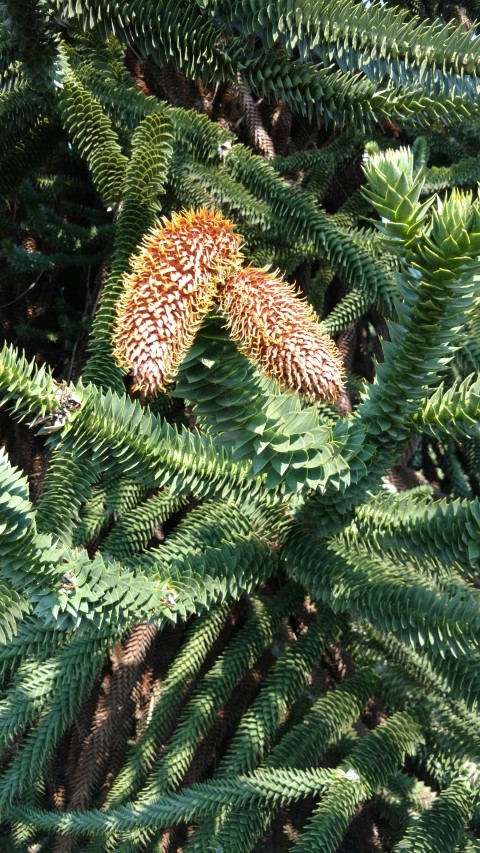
173,283
281,334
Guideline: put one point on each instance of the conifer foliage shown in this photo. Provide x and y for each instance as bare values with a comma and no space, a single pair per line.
239,475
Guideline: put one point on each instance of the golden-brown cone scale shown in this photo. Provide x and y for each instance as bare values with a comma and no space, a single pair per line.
173,283
281,334
183,268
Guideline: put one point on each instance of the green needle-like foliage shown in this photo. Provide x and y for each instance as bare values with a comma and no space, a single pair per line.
143,180
229,613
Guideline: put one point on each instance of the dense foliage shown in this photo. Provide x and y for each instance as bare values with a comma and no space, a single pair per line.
233,618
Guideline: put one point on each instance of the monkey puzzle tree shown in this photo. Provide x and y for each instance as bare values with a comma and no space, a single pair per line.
239,578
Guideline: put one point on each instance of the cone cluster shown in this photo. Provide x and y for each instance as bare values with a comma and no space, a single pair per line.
186,266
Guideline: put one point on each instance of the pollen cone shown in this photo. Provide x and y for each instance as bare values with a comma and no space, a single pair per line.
281,334
173,283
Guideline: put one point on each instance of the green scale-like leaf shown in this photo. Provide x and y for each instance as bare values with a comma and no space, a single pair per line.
448,531
393,597
455,411
379,41
302,746
285,441
144,178
217,685
441,825
91,131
